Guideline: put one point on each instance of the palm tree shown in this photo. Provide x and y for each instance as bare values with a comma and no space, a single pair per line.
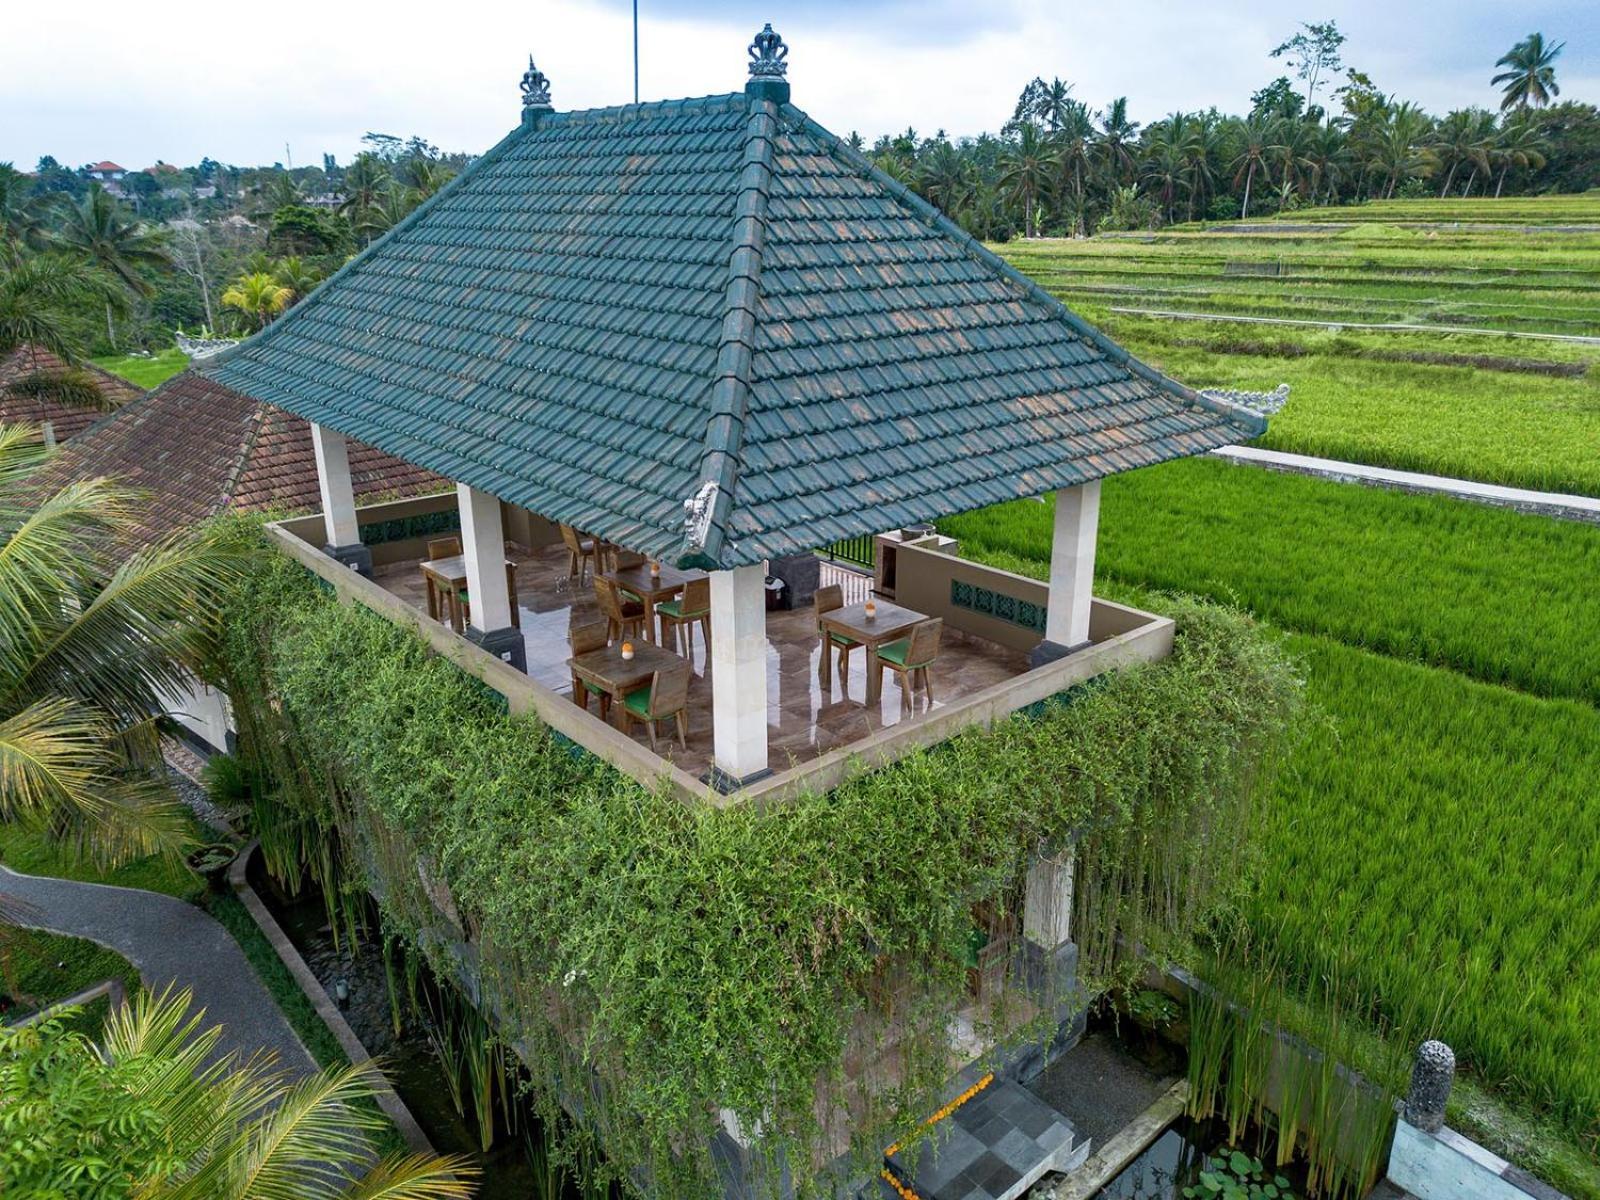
98,229
1115,141
95,636
1530,77
1073,142
157,1113
1519,145
39,295
1253,137
1327,157
1398,151
259,296
425,177
1165,165
1202,145
296,277
22,214
945,179
1464,136
1290,150
1025,169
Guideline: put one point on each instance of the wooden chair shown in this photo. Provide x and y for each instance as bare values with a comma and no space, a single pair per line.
623,616
511,590
586,637
582,553
681,614
913,655
448,547
829,597
667,696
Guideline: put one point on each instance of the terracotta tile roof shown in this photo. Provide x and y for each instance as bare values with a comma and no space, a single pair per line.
68,420
199,448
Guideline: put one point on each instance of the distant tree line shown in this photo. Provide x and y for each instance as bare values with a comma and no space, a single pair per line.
1328,135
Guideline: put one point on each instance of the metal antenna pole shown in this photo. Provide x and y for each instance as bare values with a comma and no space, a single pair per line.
636,51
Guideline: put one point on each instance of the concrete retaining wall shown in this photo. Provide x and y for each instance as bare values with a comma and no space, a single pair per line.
1447,1166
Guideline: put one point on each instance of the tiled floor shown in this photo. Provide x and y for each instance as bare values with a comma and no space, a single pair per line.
802,722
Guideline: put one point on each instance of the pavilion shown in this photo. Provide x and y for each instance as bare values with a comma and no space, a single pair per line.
708,331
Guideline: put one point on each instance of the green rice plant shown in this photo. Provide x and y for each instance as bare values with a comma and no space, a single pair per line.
1500,596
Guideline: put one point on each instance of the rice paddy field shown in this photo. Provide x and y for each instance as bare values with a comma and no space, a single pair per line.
1434,836
1461,347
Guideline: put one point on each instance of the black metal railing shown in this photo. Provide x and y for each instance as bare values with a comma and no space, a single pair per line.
858,551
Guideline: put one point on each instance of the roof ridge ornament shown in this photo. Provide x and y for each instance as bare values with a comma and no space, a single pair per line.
535,87
768,53
769,67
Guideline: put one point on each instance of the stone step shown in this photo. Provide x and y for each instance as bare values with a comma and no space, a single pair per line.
992,1143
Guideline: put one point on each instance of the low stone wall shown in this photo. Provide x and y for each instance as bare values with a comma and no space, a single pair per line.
384,527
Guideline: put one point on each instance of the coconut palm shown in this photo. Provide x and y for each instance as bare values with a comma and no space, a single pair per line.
945,179
1026,166
258,296
1530,74
1073,144
40,293
297,277
99,229
1327,159
1398,148
1253,138
1165,166
93,637
1115,140
23,216
1519,146
1463,138
149,1109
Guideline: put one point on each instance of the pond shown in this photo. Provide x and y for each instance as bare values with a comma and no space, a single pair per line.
1174,1161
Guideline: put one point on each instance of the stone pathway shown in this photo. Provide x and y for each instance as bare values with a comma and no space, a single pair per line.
1549,504
168,941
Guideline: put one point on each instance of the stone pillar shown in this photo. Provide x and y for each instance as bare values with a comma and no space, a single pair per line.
1431,1077
338,500
738,676
1072,565
483,544
1047,909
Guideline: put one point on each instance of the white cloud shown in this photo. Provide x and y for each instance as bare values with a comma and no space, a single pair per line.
236,83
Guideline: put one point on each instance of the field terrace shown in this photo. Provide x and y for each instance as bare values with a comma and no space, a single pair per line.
712,337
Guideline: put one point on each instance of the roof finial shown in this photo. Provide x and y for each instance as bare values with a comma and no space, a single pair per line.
767,55
535,90
768,67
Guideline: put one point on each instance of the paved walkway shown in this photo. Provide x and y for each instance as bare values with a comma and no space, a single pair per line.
1549,504
167,940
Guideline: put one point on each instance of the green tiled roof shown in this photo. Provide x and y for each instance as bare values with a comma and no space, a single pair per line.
711,332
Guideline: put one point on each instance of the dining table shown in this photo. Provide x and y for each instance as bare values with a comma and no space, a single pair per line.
888,623
614,676
445,579
664,584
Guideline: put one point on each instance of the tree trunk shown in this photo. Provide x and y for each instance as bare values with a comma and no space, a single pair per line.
1471,179
1448,179
1244,213
1506,170
111,331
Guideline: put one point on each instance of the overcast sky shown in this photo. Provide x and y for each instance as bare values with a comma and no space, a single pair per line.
183,79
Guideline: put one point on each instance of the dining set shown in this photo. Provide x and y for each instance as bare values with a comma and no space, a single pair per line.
622,655
892,637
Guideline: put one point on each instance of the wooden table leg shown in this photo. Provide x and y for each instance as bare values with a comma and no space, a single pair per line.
457,617
874,677
826,665
433,598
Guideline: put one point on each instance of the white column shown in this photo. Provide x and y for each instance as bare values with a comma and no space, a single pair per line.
1072,564
333,479
1047,908
483,543
739,670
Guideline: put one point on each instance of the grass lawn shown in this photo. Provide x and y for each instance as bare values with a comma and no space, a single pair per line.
39,969
30,852
1499,596
147,371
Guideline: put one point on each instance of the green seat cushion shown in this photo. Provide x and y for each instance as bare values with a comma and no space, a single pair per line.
840,639
895,652
674,608
638,702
